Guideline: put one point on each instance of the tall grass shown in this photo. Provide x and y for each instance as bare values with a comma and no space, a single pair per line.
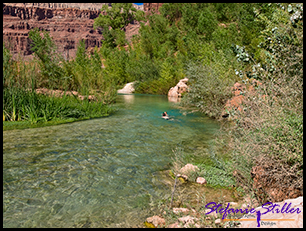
21,104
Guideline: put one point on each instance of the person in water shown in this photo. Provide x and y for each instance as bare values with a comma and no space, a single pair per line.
165,115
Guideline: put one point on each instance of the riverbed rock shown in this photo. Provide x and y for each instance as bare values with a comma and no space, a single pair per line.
60,93
218,221
156,221
180,210
188,221
212,214
186,170
189,168
174,225
201,180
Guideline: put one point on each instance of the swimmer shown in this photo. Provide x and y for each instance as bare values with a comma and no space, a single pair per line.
165,116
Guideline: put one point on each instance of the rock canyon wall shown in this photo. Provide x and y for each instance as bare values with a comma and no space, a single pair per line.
68,23
149,7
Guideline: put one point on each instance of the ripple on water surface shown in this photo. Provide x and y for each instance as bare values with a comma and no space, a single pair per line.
95,173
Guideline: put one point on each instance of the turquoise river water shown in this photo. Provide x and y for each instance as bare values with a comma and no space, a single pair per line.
100,172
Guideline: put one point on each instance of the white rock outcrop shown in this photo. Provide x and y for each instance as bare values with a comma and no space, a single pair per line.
181,87
128,89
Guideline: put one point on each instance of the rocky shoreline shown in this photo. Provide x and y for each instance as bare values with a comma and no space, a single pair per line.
193,216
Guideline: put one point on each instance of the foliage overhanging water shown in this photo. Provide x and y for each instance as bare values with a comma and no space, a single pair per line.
96,173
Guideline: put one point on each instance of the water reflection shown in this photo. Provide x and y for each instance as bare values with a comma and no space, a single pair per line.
174,99
129,98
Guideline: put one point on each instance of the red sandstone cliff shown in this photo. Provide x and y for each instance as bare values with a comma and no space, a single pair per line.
67,26
68,23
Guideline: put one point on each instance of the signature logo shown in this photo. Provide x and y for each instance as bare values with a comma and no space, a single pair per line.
269,208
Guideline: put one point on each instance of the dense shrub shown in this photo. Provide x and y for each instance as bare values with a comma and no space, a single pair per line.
45,50
270,131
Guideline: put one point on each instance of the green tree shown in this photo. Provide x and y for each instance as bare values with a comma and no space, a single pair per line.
114,20
7,65
45,50
172,11
207,23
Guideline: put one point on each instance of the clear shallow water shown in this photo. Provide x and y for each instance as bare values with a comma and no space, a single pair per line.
96,173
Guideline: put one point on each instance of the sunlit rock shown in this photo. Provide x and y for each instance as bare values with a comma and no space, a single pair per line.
128,89
201,180
188,220
180,210
181,87
156,221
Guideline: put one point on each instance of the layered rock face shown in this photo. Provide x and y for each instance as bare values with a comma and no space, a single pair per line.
68,24
138,7
81,6
148,7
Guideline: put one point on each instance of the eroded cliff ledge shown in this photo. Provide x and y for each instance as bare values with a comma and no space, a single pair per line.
68,23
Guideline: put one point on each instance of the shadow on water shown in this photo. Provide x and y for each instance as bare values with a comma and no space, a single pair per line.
95,173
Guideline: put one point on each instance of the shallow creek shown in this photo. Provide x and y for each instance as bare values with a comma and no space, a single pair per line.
96,173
